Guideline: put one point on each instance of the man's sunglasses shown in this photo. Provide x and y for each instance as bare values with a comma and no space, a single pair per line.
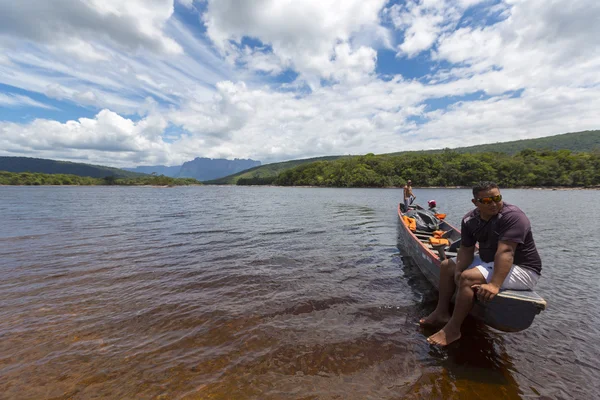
488,200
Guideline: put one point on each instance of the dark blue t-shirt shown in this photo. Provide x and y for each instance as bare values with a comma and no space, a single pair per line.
510,225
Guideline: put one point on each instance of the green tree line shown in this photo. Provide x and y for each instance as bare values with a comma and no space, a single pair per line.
29,178
528,168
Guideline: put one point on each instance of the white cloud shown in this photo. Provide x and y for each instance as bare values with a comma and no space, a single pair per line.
107,137
3,59
532,74
303,35
186,3
469,3
261,60
114,78
227,112
423,21
16,100
540,44
537,113
80,49
471,45
353,65
338,119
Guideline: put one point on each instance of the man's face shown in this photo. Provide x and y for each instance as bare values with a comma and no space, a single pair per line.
492,207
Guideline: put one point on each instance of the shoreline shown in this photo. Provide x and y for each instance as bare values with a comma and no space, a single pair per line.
426,187
138,186
322,187
509,188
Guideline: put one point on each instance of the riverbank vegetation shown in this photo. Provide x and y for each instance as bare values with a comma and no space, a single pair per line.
28,178
587,141
528,168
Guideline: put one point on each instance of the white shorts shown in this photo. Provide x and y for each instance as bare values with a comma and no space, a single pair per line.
517,279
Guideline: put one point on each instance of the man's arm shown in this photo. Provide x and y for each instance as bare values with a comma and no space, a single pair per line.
503,261
464,258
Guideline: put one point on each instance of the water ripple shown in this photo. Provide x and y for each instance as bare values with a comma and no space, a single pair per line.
267,293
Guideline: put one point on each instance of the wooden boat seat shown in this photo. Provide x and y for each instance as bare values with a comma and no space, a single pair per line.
448,233
421,236
443,251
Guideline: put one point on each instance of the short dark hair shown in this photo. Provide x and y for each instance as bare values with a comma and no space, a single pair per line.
485,185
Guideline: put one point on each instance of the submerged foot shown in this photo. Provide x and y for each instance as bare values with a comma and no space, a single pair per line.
435,319
443,338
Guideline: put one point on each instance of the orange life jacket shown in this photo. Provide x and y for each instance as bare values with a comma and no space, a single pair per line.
439,241
410,222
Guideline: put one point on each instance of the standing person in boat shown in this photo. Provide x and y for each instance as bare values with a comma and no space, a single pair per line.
408,194
507,259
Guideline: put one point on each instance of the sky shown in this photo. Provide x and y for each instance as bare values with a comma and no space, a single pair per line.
160,82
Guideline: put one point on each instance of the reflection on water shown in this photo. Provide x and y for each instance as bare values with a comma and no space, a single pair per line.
263,293
477,366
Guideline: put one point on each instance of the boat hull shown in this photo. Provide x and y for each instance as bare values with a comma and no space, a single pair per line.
509,311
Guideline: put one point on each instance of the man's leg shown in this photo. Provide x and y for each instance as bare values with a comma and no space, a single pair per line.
464,302
441,314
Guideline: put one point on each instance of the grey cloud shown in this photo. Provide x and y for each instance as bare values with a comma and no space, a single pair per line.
570,30
52,21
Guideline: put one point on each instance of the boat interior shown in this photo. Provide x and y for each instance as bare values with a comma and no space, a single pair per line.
448,248
443,251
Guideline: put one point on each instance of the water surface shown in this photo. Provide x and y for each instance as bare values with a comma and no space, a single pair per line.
271,293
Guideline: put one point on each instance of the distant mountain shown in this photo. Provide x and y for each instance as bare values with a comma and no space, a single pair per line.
575,141
199,168
28,164
173,172
204,169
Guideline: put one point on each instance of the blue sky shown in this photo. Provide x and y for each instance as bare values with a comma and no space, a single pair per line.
165,81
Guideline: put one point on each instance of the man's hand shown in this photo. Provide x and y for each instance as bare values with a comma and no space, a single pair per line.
486,292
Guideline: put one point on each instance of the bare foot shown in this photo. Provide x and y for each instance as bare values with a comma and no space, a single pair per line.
435,319
443,338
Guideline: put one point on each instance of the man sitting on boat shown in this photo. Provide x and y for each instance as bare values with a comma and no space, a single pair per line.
432,206
507,259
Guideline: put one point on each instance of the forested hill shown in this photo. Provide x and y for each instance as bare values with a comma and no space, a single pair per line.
575,141
41,165
156,170
266,172
528,168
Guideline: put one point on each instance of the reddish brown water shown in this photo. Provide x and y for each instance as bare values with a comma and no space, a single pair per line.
268,293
